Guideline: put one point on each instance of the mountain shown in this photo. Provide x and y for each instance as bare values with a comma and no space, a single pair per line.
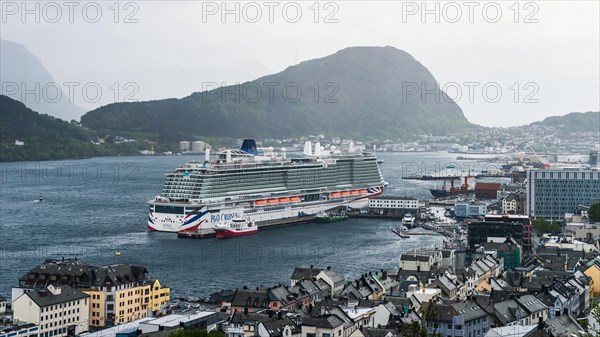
574,122
45,137
23,72
355,92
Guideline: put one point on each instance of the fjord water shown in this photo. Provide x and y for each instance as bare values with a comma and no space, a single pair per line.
93,208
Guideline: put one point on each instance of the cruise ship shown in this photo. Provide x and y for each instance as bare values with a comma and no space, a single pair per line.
266,187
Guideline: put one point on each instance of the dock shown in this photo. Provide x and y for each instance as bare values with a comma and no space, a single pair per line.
477,176
209,233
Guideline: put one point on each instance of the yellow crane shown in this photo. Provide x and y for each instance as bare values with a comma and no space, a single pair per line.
537,157
519,155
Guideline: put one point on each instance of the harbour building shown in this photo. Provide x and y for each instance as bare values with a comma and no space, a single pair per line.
552,193
118,293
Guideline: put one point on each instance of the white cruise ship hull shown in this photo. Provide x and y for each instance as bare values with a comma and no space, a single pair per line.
193,218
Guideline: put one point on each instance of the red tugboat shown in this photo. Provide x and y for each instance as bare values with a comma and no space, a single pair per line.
236,227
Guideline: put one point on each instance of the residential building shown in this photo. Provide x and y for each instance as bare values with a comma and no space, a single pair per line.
2,304
56,310
552,192
422,260
118,293
464,319
327,326
334,279
514,203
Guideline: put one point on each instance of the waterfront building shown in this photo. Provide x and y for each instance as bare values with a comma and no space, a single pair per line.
487,190
118,293
56,310
479,232
393,204
552,192
2,304
468,210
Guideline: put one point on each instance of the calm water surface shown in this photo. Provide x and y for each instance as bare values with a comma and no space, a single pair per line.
95,207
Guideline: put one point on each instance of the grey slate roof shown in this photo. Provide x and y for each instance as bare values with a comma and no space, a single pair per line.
305,273
250,298
330,322
44,298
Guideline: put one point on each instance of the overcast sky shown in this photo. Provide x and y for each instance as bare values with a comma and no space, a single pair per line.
169,49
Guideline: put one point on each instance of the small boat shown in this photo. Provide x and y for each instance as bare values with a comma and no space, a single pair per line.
295,199
345,194
355,192
408,220
284,199
324,217
401,232
39,199
363,191
260,202
235,227
335,195
272,201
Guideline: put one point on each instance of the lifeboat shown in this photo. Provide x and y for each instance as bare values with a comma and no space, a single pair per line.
260,202
363,191
335,195
355,192
284,199
295,199
272,201
345,194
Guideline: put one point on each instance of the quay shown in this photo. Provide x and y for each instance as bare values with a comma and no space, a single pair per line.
477,176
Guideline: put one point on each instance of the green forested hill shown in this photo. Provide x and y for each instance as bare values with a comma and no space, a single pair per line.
358,91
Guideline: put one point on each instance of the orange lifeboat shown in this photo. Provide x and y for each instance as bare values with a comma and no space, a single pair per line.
295,199
272,201
345,194
260,202
355,192
284,199
335,195
363,191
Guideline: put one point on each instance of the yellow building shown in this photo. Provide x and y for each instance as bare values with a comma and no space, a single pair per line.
160,296
593,271
118,293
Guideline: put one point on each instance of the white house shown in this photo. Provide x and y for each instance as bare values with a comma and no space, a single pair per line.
58,311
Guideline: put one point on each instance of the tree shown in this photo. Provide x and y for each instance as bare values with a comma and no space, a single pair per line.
197,333
594,212
592,327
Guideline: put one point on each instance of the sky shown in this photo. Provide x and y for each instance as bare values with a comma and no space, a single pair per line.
506,63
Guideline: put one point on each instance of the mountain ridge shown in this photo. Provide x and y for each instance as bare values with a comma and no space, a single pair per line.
357,91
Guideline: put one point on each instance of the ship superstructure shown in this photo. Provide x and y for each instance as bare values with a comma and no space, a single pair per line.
266,187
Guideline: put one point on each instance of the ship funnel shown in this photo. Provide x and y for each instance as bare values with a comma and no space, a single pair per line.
228,157
307,150
351,148
207,154
249,146
317,149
